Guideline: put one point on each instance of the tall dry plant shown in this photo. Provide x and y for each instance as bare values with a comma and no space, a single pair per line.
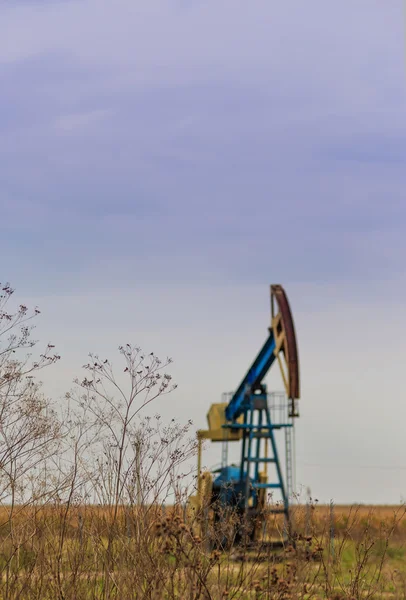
131,462
98,451
29,427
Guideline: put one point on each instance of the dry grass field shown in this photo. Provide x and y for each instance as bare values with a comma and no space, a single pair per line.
375,515
75,552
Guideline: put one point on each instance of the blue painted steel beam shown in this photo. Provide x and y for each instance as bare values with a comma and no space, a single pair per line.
253,378
259,460
265,486
244,426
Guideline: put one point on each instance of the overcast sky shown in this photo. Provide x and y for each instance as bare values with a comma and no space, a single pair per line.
161,163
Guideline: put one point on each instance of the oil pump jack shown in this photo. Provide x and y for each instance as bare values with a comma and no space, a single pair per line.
251,416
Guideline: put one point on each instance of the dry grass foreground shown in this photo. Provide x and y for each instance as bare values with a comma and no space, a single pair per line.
62,552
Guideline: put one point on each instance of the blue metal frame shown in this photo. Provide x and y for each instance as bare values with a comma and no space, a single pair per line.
258,425
250,400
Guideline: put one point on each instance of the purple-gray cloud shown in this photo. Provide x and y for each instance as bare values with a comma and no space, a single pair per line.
215,141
